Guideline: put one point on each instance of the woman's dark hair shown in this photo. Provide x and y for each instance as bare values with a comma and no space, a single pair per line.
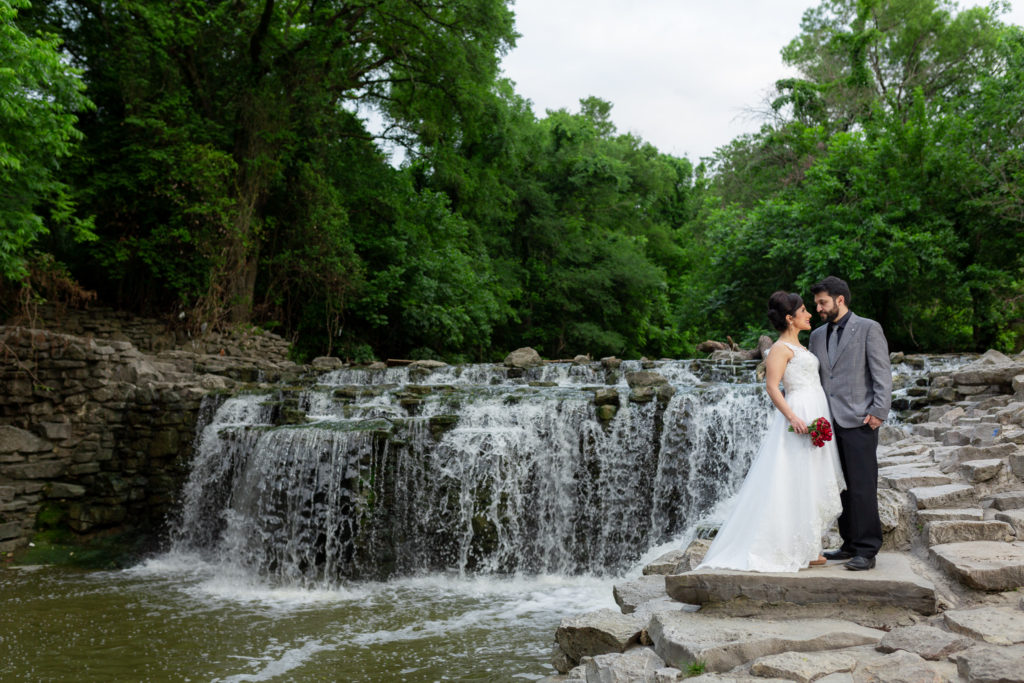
781,304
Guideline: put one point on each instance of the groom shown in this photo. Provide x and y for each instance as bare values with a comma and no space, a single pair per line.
855,373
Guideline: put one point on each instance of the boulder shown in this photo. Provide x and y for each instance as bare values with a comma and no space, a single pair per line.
721,643
644,378
327,363
995,625
629,594
665,564
525,357
560,660
959,531
597,633
985,565
991,664
802,666
693,555
925,641
638,665
606,396
992,368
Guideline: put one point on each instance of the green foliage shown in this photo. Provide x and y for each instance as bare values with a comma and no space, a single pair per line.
39,94
232,179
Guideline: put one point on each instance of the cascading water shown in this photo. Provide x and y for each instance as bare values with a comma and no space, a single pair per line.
476,468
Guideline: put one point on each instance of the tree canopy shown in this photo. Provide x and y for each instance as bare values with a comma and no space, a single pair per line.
221,155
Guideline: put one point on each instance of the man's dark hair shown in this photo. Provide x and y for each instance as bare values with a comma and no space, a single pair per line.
834,287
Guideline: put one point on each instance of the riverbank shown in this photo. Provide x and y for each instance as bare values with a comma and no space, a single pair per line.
943,604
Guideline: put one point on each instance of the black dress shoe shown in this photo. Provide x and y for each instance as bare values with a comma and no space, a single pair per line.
837,554
860,563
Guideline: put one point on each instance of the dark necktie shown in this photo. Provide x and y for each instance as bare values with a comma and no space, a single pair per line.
833,342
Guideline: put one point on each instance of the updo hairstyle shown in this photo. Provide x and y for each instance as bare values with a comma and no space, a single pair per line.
781,304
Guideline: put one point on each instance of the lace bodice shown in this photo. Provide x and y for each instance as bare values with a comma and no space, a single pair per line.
801,371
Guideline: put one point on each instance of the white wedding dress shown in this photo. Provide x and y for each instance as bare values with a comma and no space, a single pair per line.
790,496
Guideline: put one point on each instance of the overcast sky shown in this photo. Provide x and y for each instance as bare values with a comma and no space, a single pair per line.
681,74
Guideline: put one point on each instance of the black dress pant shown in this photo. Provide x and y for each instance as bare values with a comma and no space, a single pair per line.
859,524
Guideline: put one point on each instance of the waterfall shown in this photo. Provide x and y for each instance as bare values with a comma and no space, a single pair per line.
471,469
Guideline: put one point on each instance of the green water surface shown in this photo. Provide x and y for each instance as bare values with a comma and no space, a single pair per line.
180,619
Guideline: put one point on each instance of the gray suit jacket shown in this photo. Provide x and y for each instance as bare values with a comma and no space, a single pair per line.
860,382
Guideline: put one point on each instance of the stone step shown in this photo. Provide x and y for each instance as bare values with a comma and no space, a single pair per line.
985,565
892,582
903,478
682,638
960,531
977,471
1009,500
948,495
911,460
948,514
996,625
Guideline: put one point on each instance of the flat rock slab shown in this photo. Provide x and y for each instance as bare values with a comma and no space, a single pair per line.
985,565
905,478
629,594
803,667
681,638
925,641
995,625
950,514
950,495
960,531
991,664
892,582
900,667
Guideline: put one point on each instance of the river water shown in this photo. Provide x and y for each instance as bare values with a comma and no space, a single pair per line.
265,580
176,618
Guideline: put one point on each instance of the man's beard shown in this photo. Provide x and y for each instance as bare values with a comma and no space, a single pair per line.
830,316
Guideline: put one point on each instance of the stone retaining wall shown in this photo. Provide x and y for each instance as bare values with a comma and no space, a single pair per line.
97,434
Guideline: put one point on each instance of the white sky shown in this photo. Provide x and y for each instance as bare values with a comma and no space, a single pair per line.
681,74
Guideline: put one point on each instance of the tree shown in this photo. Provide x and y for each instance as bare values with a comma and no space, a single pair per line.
206,107
39,95
855,53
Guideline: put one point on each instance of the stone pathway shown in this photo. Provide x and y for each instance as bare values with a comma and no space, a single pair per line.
951,498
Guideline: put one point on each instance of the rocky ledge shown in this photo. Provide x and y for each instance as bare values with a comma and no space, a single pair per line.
944,603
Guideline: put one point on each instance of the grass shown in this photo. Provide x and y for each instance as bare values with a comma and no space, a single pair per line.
695,668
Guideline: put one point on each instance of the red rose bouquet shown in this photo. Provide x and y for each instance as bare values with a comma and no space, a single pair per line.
820,431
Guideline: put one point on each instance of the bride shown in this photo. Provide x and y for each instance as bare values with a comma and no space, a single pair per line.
790,496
